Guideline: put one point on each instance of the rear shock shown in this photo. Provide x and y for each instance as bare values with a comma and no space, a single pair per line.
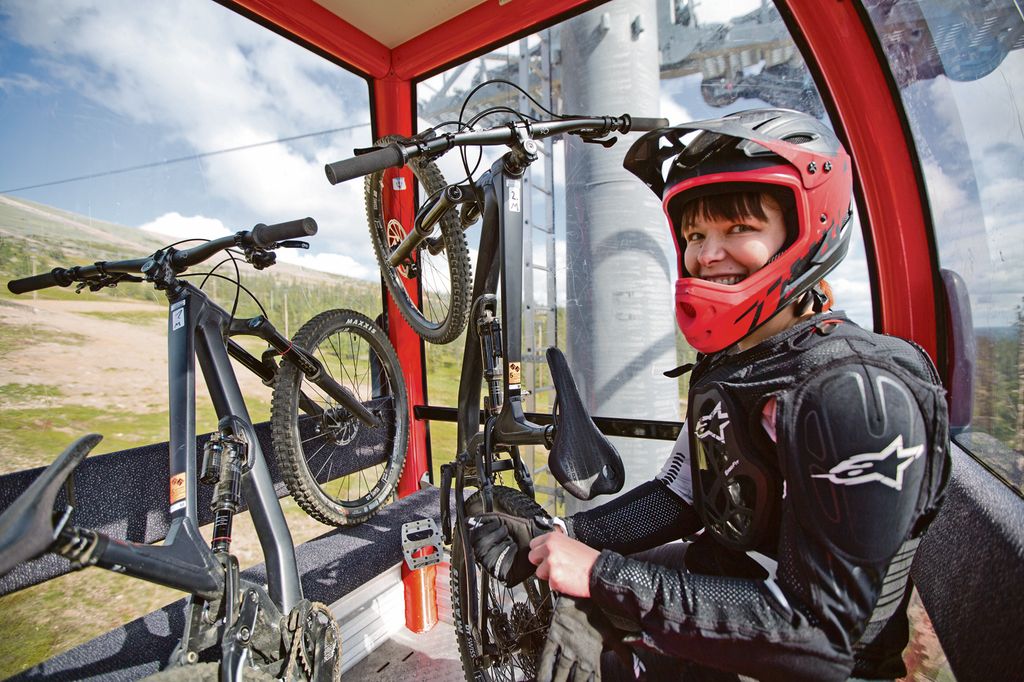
488,328
224,459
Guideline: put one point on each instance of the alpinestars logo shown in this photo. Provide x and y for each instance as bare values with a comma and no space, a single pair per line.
886,467
712,425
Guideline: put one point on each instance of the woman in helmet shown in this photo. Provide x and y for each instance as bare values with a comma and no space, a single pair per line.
812,460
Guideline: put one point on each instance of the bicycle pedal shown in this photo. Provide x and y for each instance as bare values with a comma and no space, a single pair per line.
418,536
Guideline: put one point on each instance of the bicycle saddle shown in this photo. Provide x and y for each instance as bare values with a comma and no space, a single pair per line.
582,459
26,527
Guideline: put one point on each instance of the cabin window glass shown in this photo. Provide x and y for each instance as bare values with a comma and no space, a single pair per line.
130,125
601,266
959,67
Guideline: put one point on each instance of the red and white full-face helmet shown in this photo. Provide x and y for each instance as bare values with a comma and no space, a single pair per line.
774,150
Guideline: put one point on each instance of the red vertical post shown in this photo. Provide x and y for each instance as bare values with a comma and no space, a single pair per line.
394,107
869,111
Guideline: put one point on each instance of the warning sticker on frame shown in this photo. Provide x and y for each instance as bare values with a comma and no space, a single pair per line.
514,372
177,488
398,183
514,192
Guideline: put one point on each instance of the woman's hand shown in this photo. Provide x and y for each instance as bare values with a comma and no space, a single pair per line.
565,563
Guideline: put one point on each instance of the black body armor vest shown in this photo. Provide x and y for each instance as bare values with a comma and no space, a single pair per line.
737,480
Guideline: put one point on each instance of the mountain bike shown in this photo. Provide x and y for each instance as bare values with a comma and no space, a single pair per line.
500,630
254,631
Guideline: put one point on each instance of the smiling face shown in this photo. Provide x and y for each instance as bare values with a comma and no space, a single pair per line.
728,238
727,250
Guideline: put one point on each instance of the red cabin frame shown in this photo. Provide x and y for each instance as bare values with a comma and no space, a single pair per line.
888,182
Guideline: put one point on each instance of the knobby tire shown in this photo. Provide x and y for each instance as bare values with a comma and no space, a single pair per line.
517,631
445,289
311,448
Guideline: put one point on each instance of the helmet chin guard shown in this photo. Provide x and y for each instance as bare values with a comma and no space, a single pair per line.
757,150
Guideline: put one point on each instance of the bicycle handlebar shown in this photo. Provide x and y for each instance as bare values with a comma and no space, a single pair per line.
261,237
398,154
265,236
55,278
364,164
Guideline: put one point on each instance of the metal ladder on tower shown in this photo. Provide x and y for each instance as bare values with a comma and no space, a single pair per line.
540,315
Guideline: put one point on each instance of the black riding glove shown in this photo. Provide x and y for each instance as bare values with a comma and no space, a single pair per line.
501,543
578,634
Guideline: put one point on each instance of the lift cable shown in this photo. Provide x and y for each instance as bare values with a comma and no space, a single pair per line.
180,159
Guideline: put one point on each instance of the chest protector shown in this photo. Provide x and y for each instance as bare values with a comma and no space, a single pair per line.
737,481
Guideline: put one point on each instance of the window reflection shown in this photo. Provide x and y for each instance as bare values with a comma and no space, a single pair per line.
960,70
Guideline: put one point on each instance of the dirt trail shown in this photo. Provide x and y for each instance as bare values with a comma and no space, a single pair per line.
105,363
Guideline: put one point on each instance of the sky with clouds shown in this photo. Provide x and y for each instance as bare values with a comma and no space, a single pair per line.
970,137
90,86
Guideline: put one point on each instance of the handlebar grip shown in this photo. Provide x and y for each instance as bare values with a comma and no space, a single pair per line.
364,164
637,123
57,277
265,236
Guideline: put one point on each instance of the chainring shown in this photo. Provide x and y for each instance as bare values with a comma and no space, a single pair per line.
316,644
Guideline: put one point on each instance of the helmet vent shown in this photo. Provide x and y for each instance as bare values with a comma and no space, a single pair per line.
798,139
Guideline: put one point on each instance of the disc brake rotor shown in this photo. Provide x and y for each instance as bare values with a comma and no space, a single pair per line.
394,234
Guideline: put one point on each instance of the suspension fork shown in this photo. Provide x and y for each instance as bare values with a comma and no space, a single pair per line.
469,609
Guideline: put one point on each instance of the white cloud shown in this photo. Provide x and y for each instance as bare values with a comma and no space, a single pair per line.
179,226
334,263
176,226
21,81
722,11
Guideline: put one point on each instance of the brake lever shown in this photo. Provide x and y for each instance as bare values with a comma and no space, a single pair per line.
292,244
606,143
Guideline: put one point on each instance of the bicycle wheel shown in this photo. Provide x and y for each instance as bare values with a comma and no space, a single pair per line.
441,263
339,470
204,672
516,624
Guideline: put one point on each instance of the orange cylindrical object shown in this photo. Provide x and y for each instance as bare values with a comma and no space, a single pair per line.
420,599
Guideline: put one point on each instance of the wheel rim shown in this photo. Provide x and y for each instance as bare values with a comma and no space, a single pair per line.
516,628
518,618
324,438
431,269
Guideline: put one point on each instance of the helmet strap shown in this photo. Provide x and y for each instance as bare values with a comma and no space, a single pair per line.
815,299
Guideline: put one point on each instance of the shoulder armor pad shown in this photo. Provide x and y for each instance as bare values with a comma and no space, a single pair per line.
857,442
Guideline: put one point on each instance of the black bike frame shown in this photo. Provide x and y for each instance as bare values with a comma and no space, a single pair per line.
197,329
500,256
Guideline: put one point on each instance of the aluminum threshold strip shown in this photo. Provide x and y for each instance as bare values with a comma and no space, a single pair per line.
369,615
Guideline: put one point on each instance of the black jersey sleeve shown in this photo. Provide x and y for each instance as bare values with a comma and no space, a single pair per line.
645,517
859,454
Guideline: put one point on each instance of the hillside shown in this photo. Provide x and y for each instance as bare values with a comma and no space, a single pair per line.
36,238
75,362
